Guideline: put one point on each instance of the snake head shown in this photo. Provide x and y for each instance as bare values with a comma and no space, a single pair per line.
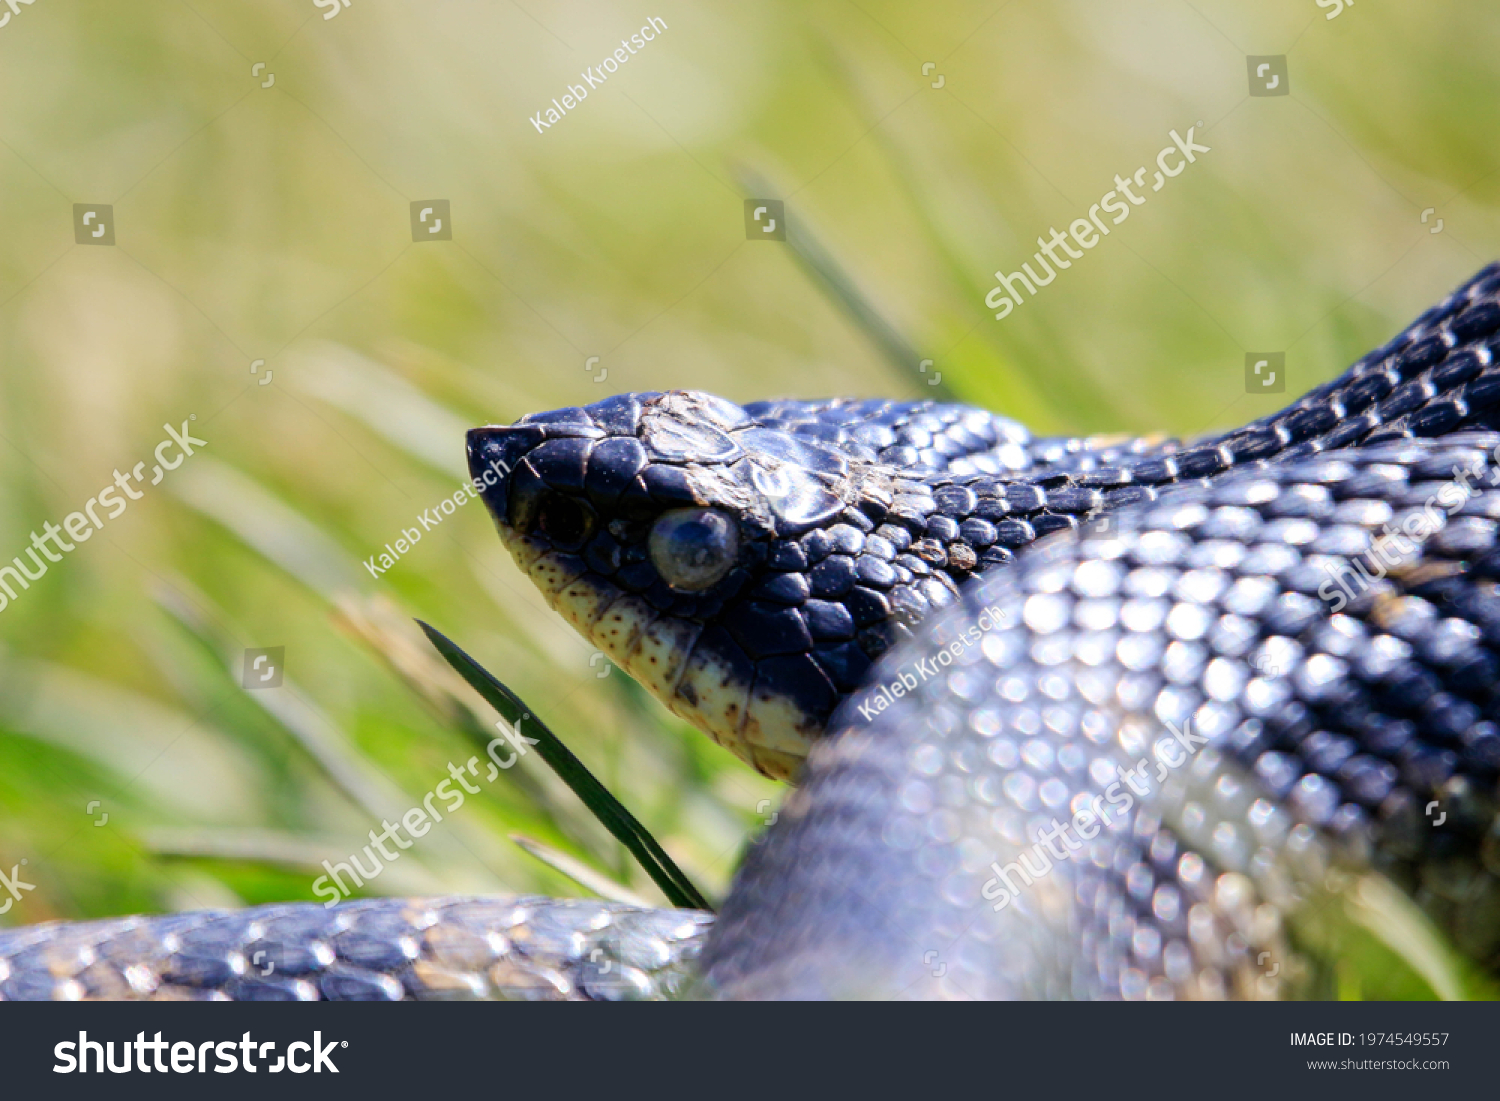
737,570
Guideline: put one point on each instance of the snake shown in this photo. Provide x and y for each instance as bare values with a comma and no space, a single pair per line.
1089,717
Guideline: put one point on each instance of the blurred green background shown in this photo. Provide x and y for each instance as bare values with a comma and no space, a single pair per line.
272,224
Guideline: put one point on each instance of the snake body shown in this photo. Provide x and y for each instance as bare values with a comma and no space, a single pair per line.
1245,686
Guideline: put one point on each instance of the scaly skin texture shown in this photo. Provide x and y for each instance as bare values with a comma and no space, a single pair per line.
511,949
1150,758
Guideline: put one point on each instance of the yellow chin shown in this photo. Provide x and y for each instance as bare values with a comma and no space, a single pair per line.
660,651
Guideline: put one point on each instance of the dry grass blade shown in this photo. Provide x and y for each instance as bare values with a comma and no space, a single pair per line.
835,281
578,871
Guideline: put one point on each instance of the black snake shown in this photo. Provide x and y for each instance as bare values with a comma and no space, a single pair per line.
1247,686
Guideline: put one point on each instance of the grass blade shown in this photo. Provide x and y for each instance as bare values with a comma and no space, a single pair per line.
835,280
605,807
579,872
289,707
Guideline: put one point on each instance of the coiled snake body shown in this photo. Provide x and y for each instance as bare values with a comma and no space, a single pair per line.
1246,686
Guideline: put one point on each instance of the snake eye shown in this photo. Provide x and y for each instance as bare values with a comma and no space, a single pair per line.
692,548
565,520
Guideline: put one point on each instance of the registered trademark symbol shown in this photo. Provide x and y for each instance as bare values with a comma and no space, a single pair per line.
343,1043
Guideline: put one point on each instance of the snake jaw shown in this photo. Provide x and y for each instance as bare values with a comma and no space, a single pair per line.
698,683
